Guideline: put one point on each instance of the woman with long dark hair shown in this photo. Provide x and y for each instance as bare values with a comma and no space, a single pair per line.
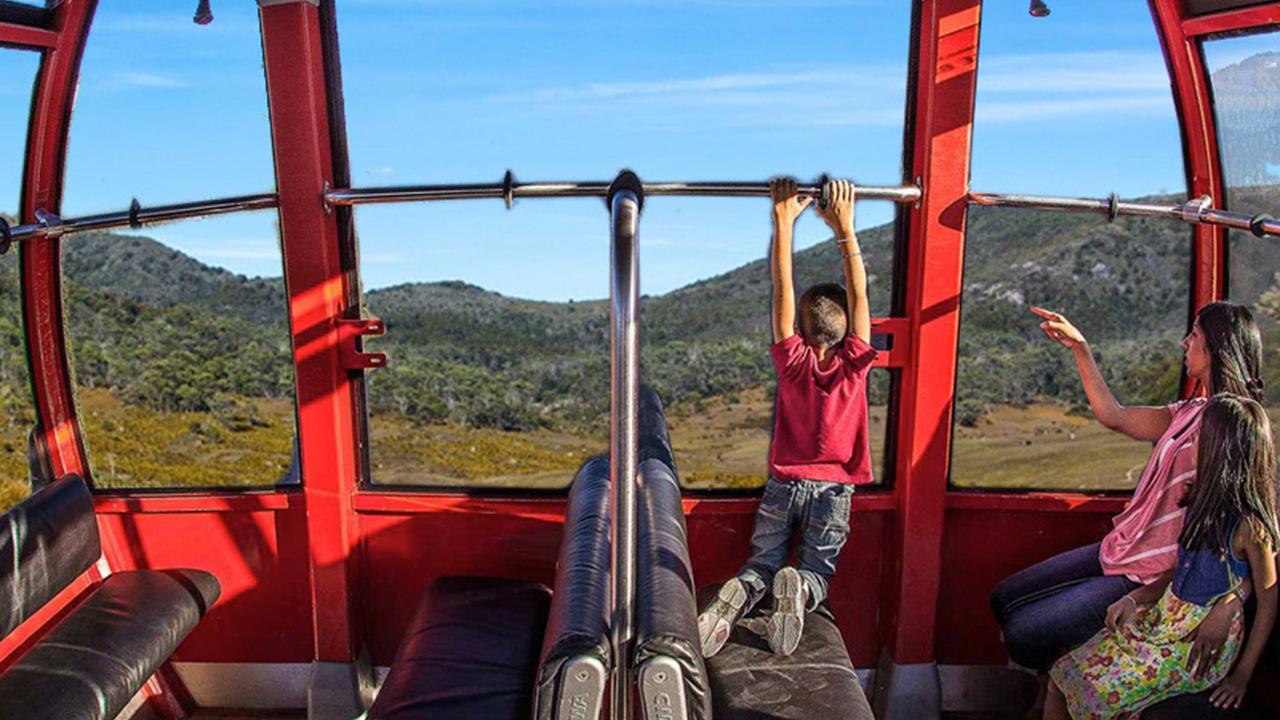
1055,605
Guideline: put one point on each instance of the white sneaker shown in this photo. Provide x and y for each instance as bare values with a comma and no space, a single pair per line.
715,624
786,624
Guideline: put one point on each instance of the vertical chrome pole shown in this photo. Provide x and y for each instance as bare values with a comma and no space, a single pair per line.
625,201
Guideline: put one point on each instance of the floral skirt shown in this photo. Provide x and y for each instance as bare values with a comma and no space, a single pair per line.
1117,674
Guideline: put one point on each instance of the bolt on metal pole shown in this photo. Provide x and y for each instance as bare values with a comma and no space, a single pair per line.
625,202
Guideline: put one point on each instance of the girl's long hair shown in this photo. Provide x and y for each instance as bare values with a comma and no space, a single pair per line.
1235,476
1235,349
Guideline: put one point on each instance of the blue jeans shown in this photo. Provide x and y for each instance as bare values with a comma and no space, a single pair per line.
821,510
1055,605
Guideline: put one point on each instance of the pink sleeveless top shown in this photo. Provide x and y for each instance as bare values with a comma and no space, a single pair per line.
1144,540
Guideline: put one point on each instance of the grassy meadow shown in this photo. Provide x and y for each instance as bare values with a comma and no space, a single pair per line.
720,442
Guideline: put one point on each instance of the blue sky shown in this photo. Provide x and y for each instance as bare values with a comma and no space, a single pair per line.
1076,104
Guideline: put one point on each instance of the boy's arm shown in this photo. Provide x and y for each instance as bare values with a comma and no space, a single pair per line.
787,206
1262,565
839,215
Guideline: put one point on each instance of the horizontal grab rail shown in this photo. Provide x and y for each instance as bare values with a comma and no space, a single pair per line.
50,225
1198,211
509,191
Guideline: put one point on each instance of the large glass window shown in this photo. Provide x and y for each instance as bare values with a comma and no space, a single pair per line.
573,91
183,370
17,415
166,110
1243,71
1066,109
179,334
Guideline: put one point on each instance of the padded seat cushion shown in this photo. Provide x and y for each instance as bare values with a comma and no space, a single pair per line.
816,682
471,651
99,656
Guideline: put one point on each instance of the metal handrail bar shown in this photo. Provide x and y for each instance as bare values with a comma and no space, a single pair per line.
509,190
1197,211
625,202
49,225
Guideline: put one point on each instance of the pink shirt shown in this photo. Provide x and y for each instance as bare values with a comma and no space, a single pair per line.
1144,540
820,419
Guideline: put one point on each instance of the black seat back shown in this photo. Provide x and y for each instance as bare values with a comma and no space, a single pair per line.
576,652
46,542
666,651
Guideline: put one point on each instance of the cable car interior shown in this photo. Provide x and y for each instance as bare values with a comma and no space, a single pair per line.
296,420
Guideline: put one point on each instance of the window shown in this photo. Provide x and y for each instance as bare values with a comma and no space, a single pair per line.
1055,116
17,414
183,370
179,334
168,111
1242,71
573,91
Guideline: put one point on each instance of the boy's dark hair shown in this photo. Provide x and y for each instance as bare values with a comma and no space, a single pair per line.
1235,476
824,315
1235,349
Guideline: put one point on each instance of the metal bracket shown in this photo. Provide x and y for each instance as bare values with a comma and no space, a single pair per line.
1192,211
6,236
1113,207
50,222
348,331
324,199
509,189
135,209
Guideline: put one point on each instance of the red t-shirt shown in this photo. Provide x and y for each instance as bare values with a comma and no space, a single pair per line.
820,418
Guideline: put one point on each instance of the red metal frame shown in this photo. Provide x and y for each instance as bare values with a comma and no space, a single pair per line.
22,36
318,289
947,56
40,259
1200,148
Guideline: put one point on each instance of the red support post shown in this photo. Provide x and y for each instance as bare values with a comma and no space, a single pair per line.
40,260
1200,147
943,108
318,289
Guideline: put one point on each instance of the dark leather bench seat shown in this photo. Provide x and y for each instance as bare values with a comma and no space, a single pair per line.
95,660
494,648
471,651
816,682
122,629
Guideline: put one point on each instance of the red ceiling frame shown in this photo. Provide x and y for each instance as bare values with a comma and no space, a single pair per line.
1230,20
318,292
41,259
946,67
1200,148
23,36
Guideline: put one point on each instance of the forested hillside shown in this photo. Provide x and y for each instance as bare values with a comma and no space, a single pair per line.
162,330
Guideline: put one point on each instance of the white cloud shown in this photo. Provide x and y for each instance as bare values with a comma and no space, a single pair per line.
383,170
1034,110
149,80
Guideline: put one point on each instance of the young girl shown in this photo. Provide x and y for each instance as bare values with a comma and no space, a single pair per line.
1229,534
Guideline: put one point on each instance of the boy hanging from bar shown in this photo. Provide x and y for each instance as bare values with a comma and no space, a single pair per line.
820,449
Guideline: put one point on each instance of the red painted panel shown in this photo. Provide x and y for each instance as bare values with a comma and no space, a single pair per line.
409,540
982,547
259,558
402,553
719,540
